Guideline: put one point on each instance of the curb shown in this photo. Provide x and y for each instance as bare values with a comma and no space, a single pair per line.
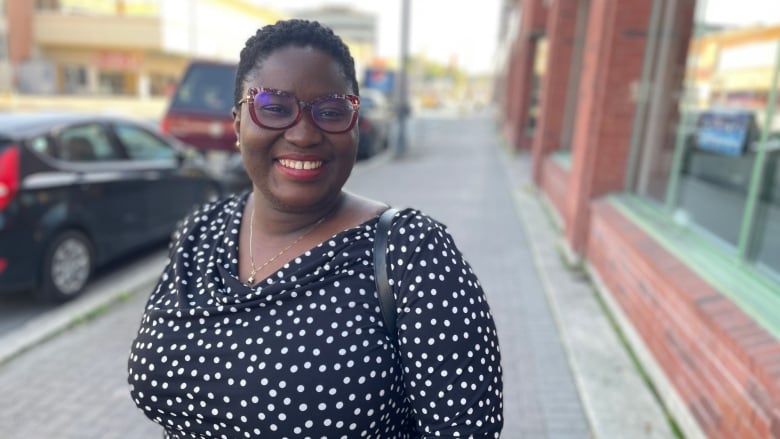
618,403
141,277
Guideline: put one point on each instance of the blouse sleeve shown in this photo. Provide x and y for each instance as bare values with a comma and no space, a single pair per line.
447,338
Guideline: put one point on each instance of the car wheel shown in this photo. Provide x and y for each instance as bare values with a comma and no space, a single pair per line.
67,265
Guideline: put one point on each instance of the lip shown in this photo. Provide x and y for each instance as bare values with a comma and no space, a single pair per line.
300,167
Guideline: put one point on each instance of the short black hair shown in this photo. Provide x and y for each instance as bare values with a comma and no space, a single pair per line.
292,33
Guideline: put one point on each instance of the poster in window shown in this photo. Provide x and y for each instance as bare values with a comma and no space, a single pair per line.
724,132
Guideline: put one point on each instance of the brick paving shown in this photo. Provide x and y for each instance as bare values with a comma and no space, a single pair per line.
74,385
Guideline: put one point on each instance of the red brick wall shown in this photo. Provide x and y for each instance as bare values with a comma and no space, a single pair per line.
19,15
612,64
561,26
721,362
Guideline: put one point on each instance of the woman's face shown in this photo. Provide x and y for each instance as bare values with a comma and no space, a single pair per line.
301,167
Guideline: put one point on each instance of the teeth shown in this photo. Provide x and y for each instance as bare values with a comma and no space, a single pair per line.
297,164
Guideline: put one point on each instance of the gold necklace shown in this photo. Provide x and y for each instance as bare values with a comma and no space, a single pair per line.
254,271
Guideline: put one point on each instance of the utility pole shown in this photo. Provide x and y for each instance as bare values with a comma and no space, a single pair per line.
403,80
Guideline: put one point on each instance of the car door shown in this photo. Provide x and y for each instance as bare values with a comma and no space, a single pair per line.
107,197
169,193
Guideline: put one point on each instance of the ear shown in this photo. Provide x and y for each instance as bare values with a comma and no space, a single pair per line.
236,121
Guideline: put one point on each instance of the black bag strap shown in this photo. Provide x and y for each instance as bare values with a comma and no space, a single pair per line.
386,299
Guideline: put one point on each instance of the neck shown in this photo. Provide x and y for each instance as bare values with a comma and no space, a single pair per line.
272,221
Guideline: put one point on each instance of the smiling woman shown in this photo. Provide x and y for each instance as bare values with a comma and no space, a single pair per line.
279,314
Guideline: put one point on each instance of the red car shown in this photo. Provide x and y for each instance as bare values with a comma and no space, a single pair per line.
199,113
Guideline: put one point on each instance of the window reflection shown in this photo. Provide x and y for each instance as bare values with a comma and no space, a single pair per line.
708,129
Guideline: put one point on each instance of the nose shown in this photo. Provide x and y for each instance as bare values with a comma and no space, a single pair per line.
305,132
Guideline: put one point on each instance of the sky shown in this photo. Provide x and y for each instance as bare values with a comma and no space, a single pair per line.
439,29
741,12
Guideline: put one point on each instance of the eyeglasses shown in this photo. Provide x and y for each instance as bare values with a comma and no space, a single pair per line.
279,110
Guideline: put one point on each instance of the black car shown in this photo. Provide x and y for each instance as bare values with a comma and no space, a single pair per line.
376,119
77,191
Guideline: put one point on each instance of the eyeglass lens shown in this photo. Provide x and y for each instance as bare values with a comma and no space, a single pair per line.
276,110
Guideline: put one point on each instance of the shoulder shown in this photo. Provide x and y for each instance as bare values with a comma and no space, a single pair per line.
414,228
203,216
410,219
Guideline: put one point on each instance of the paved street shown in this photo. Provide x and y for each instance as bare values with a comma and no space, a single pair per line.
74,384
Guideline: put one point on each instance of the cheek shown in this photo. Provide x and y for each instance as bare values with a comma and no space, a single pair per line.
257,139
354,135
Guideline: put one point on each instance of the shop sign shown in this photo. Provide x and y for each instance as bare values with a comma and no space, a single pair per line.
119,60
724,132
381,79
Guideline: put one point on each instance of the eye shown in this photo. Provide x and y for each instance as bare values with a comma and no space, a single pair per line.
332,109
276,110
275,105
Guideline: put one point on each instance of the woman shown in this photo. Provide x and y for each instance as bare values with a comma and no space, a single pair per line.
266,321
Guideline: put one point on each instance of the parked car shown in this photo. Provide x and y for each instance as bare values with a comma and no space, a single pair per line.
199,112
77,191
376,120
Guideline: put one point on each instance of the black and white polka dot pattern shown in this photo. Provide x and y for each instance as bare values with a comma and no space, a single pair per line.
305,352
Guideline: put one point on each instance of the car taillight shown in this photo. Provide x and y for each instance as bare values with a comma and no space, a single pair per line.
165,125
9,175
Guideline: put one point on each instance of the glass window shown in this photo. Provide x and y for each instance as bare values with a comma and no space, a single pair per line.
43,145
75,79
3,45
767,223
111,83
575,72
143,145
206,88
540,62
655,136
87,143
707,136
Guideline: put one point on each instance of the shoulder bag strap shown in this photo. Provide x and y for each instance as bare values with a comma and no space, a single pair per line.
386,299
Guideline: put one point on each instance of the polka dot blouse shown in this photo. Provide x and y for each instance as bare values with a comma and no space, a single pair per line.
305,353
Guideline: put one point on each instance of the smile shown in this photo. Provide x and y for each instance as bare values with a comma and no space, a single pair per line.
299,164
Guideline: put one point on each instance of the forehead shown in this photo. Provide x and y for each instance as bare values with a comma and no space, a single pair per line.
303,71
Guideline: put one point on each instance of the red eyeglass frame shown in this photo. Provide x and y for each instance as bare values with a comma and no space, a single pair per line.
302,105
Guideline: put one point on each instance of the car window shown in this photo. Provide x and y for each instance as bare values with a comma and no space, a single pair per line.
140,144
87,143
206,87
44,145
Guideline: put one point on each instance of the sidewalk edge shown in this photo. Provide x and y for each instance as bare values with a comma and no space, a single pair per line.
51,323
604,374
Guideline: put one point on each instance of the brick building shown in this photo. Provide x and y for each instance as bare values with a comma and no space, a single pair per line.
655,140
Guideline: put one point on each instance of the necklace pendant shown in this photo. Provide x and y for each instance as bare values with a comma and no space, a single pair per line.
251,280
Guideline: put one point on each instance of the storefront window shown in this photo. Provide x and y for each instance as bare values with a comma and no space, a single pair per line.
707,138
540,62
111,83
767,236
75,79
575,72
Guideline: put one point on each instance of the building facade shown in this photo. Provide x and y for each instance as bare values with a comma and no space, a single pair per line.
654,132
141,47
119,47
